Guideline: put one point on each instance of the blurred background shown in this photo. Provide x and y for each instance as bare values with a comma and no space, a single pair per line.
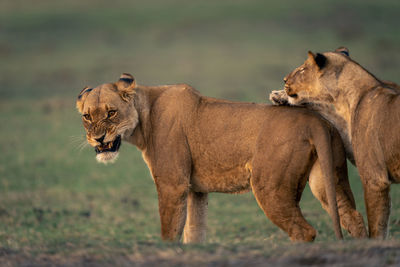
55,198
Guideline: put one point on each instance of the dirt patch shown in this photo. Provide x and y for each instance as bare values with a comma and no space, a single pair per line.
353,253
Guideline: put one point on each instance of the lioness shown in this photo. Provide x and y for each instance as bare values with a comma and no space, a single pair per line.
325,108
194,145
367,113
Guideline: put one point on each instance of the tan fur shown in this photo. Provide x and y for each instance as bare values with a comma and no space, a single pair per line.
194,145
327,110
366,111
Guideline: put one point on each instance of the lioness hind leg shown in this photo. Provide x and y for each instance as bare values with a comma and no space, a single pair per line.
282,208
350,218
196,219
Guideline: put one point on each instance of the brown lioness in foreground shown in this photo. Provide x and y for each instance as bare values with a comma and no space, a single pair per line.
366,111
194,145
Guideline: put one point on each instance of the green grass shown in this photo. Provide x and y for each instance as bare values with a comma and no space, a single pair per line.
55,200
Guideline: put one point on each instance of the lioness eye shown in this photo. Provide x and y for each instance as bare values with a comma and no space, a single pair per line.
86,117
111,113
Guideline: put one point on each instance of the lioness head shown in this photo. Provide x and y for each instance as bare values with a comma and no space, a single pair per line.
108,115
314,79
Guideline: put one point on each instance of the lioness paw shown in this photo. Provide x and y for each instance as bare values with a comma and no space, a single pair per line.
279,98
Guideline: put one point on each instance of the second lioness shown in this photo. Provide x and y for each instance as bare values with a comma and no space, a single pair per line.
194,145
366,111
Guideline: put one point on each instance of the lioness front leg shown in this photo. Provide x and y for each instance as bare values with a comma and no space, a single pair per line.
377,201
196,220
172,202
279,97
374,177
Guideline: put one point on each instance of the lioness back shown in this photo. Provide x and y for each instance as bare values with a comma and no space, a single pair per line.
222,135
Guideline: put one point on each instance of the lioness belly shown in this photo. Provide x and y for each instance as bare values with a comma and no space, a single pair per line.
236,180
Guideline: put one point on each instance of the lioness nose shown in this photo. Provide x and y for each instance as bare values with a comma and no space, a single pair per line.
100,140
285,79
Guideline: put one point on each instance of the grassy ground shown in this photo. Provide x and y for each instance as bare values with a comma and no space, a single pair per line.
58,206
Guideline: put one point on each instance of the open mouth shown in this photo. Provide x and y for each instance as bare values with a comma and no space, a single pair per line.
293,95
110,146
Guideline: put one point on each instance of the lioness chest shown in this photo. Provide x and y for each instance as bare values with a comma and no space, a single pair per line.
376,123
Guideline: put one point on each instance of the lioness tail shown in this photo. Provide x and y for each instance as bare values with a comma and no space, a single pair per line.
323,145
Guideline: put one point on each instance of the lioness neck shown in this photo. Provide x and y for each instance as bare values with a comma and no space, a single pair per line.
351,86
144,98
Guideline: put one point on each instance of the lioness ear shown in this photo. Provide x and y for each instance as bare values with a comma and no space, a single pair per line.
81,98
310,55
126,86
319,59
343,50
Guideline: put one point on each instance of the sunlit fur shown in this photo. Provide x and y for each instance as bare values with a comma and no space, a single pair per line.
195,145
366,112
107,157
97,102
326,109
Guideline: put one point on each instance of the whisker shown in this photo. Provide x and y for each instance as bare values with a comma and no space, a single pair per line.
79,142
83,145
76,139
